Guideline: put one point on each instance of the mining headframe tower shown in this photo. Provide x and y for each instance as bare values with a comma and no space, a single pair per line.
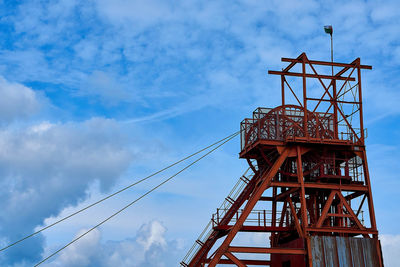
308,186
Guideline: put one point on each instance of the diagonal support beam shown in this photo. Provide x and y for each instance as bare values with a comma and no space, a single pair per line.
259,190
286,193
234,259
361,205
295,218
326,208
297,60
202,253
350,211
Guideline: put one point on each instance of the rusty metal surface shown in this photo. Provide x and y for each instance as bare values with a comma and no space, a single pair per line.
330,251
310,152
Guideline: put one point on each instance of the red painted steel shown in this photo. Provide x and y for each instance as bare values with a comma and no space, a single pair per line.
309,176
278,260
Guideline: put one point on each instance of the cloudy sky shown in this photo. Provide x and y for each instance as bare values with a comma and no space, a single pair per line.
95,95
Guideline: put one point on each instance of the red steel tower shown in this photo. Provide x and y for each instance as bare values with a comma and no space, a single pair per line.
308,187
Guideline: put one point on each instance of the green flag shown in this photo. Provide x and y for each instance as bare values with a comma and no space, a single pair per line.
328,29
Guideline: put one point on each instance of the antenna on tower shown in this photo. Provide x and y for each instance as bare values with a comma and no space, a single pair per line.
328,29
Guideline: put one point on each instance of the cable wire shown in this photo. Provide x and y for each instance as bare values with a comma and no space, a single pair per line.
115,193
136,200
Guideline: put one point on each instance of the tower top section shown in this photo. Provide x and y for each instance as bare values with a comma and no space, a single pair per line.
321,104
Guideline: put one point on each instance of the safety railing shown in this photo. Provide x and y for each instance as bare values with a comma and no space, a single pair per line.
286,123
198,244
332,221
255,218
225,206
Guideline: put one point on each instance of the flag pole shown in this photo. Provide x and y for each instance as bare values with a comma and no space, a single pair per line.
329,29
332,50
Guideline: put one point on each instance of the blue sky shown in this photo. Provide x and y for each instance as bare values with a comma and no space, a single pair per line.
97,94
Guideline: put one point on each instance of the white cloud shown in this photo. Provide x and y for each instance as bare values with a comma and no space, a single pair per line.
138,13
133,41
104,86
47,167
385,13
152,234
178,58
80,253
149,248
390,249
17,101
86,49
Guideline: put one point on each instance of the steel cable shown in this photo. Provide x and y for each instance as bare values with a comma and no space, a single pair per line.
136,200
117,192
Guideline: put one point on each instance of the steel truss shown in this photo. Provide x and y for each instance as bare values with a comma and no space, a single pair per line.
310,172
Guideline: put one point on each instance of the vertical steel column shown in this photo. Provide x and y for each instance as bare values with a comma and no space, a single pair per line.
368,182
358,62
273,216
303,192
304,95
335,110
283,89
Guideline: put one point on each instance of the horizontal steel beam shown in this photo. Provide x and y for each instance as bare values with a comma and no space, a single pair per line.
254,228
342,230
326,63
331,100
291,251
266,198
339,215
318,141
342,187
247,262
308,75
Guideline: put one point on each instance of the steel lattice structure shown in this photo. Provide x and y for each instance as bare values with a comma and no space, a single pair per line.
308,170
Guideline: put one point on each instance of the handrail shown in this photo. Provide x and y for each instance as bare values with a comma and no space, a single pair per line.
226,205
287,122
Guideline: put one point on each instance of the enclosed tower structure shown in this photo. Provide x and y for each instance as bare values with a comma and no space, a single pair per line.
308,186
